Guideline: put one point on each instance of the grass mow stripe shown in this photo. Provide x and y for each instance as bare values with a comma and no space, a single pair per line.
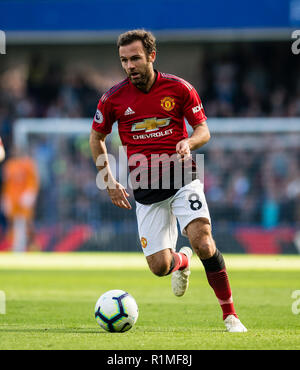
133,261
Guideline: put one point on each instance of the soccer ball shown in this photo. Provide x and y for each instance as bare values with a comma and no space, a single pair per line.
116,311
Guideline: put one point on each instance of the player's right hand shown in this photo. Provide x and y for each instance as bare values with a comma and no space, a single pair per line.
183,150
119,195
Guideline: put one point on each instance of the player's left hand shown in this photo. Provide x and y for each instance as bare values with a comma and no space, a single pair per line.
183,150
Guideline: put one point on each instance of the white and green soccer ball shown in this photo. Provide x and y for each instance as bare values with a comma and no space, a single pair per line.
116,311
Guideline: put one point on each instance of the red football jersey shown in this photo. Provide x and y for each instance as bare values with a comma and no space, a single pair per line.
153,122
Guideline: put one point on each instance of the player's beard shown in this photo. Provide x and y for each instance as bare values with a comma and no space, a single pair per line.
142,81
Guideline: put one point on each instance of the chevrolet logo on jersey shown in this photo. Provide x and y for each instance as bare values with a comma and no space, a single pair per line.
150,124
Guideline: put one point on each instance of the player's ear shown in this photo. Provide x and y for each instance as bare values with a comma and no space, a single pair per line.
152,56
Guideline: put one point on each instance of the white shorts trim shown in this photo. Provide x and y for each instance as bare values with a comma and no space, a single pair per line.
157,222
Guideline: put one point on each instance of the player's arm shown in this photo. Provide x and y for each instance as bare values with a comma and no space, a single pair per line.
116,191
194,113
199,137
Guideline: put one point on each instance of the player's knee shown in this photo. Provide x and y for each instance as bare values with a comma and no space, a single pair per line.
160,263
159,266
202,241
160,269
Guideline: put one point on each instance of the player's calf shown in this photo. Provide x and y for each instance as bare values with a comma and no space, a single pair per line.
218,279
199,233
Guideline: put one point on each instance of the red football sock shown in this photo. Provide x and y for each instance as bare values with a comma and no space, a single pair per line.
220,284
180,261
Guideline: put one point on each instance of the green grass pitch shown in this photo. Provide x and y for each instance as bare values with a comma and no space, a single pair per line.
50,301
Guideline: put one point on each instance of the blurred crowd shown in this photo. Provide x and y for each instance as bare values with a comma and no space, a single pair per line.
252,80
43,90
243,187
249,80
259,186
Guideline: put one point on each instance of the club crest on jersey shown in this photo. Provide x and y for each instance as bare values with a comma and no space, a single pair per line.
98,116
167,103
144,242
151,124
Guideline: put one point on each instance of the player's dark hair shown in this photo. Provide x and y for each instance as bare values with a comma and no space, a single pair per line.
146,37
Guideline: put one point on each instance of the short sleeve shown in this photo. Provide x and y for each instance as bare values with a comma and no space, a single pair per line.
193,108
104,117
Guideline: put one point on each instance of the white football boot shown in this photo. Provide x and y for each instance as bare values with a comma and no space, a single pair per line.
233,325
180,278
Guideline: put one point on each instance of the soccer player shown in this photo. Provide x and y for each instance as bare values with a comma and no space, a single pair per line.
150,108
19,193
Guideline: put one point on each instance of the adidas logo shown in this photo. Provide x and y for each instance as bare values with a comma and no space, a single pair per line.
129,111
